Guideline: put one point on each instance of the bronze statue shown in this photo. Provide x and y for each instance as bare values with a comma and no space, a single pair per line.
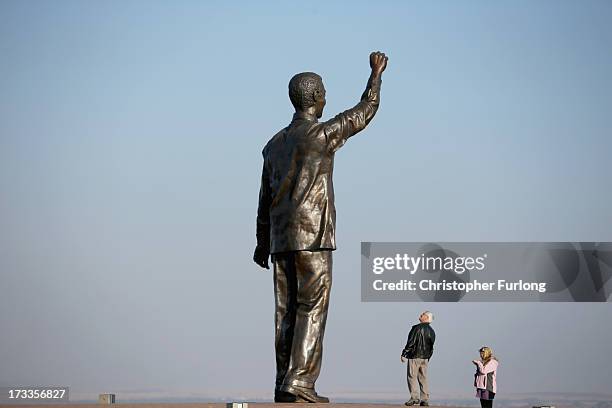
296,222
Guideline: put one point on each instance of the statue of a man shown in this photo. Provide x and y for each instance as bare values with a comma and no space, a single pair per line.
296,223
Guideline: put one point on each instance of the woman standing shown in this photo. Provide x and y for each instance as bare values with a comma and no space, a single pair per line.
485,377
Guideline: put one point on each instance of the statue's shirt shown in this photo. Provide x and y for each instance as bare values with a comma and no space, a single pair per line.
296,200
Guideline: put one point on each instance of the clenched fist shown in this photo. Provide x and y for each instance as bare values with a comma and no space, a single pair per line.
378,62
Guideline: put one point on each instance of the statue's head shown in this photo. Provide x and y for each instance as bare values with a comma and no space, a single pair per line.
306,91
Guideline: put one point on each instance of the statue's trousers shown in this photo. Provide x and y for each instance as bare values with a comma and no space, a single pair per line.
302,284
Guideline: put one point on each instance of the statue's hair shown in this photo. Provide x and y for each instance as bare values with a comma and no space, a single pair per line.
302,87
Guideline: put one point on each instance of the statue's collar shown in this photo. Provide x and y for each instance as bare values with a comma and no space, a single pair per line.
304,116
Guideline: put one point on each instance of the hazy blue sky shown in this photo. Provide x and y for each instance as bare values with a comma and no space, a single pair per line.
130,140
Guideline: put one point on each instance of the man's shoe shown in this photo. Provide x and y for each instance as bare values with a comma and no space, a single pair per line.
411,402
424,403
308,394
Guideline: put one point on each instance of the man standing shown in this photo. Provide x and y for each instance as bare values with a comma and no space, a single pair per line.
296,222
418,351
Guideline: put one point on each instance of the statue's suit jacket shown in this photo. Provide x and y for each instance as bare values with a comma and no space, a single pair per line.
296,199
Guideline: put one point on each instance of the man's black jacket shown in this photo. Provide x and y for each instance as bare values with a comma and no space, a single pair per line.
420,342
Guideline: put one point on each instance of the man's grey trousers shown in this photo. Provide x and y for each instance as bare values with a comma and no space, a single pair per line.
417,379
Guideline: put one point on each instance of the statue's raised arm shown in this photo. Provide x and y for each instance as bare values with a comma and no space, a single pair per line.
354,120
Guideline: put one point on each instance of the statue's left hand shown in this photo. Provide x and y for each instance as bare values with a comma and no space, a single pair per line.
261,257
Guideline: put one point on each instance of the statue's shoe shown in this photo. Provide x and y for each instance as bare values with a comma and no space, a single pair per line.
309,394
282,396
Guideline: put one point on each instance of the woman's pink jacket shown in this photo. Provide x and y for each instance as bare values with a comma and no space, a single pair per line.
485,377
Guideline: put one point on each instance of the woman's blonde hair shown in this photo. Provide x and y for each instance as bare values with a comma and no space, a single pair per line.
487,354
